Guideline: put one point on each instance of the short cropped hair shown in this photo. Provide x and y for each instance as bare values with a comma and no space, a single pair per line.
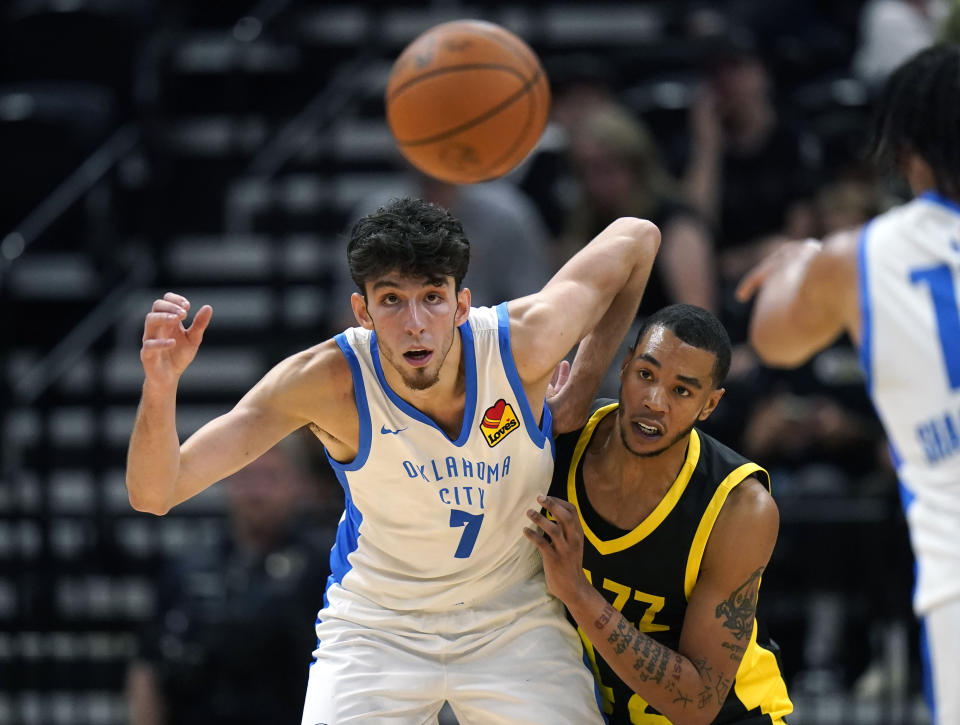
696,327
412,237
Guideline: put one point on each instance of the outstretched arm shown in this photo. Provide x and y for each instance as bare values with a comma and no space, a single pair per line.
570,404
602,282
161,473
806,297
690,684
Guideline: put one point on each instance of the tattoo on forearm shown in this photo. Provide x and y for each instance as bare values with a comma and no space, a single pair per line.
722,688
682,699
739,609
704,698
621,636
604,617
736,651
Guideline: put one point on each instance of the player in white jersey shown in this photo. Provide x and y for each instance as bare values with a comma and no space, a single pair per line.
433,416
894,286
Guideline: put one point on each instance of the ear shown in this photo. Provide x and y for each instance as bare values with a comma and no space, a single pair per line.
463,306
626,360
917,171
359,305
712,400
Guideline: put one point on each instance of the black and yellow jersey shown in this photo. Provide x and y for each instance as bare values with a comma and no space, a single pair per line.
648,573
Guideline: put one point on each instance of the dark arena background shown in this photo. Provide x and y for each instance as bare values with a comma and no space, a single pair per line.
221,148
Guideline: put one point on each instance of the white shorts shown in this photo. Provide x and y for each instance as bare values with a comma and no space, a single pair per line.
512,661
942,623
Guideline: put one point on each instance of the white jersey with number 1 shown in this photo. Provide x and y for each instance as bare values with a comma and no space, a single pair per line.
910,345
434,523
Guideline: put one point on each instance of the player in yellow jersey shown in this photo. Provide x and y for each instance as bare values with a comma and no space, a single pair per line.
659,538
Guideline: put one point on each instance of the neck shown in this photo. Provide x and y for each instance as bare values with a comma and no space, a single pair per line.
652,475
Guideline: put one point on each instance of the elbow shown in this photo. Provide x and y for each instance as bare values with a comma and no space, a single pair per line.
775,352
146,503
643,231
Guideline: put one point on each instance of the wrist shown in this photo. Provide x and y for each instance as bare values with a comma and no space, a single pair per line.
159,389
585,602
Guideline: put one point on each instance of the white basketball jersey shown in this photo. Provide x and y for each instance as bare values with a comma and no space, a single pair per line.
433,523
909,271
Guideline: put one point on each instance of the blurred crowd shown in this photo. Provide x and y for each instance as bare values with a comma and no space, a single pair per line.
730,156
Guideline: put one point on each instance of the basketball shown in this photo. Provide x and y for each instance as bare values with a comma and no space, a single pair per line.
467,101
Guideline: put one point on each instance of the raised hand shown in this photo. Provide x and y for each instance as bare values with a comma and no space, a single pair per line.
756,277
168,346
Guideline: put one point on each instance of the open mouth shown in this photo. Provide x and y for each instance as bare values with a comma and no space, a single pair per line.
418,358
646,430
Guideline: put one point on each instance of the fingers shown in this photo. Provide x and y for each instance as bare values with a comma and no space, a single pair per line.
562,511
546,525
199,325
750,283
160,326
561,374
536,538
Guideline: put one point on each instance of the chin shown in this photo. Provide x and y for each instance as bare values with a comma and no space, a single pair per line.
421,382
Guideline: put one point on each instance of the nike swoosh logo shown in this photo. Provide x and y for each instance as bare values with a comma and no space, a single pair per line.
386,430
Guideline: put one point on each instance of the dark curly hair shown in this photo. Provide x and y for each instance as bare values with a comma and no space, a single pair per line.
919,111
698,328
412,237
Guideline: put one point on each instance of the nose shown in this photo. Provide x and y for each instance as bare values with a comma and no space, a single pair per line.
656,399
414,323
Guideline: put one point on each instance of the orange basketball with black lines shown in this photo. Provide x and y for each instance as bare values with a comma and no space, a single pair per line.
467,101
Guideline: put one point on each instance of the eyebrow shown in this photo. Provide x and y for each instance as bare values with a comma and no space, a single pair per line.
692,382
428,282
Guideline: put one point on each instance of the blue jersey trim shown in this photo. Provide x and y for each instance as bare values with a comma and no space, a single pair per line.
470,406
895,458
548,429
538,435
927,671
363,410
347,538
940,200
866,332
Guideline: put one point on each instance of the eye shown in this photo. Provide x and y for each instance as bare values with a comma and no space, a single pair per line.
434,297
389,299
682,391
644,374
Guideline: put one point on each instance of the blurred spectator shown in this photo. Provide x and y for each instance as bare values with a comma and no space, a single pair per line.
619,173
844,204
579,83
893,30
751,171
950,31
234,631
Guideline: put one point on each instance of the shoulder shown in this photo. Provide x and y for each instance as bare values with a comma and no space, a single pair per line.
325,360
311,380
746,529
751,501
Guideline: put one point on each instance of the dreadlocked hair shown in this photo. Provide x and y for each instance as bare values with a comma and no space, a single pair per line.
919,111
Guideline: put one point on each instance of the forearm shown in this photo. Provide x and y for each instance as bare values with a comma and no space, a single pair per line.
785,327
153,457
596,353
701,183
144,699
666,679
